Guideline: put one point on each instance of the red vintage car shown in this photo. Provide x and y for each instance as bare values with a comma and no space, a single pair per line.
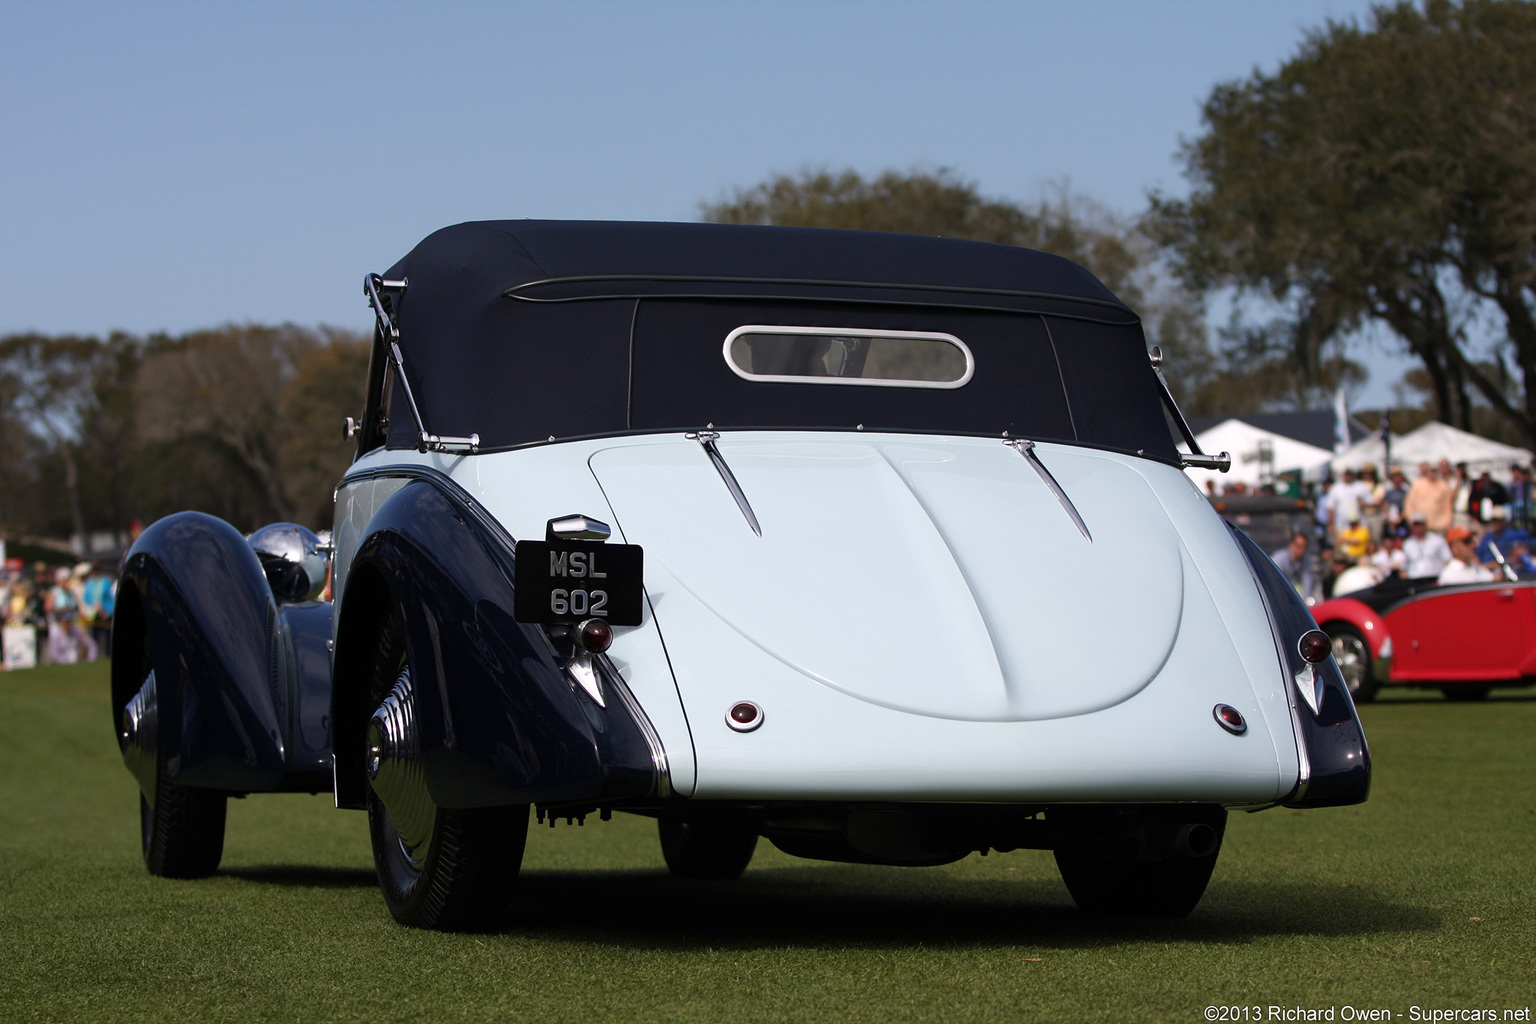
1464,640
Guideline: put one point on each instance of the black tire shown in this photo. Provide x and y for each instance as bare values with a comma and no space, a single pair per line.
708,849
445,869
1353,656
1464,693
1125,884
182,834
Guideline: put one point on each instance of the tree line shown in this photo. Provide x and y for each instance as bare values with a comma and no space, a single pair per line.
242,422
1385,174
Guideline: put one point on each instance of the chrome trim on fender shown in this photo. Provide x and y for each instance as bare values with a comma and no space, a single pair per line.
1309,684
610,673
580,669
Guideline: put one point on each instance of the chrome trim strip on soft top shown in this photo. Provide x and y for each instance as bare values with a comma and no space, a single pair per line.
1027,449
707,439
520,291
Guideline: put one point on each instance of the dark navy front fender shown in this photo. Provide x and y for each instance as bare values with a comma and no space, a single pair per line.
193,596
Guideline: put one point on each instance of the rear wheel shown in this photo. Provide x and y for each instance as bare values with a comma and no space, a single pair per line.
1465,693
1132,884
1353,656
719,849
452,870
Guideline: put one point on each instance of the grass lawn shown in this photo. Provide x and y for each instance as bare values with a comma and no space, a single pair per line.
1425,896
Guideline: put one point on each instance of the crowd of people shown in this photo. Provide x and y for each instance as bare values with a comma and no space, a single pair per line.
1448,525
68,610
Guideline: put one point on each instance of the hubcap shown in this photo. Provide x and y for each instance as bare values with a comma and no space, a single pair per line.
139,732
395,773
1349,652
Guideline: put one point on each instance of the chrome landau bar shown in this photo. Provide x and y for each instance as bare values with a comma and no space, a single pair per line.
373,284
1194,457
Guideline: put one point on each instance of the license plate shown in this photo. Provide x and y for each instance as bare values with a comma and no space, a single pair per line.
571,580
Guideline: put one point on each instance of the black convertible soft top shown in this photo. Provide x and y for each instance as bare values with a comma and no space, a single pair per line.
523,331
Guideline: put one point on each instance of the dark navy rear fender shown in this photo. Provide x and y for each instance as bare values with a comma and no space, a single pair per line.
500,720
1330,739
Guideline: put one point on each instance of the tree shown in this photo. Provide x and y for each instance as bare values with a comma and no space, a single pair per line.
267,402
50,387
223,389
329,383
1385,173
1254,369
942,203
241,422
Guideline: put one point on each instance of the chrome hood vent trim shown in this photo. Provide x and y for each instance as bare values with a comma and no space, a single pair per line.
707,438
1027,449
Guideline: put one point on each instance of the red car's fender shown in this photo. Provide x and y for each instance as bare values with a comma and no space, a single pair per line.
1357,614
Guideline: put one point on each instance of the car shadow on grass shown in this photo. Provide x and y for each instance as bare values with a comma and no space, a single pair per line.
304,876
847,906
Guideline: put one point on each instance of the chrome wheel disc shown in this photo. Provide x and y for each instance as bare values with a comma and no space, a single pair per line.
1353,660
395,772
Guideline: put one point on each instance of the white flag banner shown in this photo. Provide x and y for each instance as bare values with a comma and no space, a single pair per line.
1340,424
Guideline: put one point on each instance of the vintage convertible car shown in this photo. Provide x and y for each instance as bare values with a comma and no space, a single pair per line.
1463,639
876,546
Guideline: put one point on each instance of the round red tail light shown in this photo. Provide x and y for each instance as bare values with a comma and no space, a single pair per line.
595,635
744,716
1315,646
1230,719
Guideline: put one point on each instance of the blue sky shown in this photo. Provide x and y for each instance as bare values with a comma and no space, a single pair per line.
167,166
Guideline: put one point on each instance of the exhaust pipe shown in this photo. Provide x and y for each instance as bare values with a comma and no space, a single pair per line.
1195,840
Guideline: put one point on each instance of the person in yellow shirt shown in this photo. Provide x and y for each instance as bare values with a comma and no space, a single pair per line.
1354,540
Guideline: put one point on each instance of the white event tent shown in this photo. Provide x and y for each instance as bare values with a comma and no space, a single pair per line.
1247,443
1431,443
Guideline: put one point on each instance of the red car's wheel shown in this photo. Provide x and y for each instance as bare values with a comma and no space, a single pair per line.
1353,656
